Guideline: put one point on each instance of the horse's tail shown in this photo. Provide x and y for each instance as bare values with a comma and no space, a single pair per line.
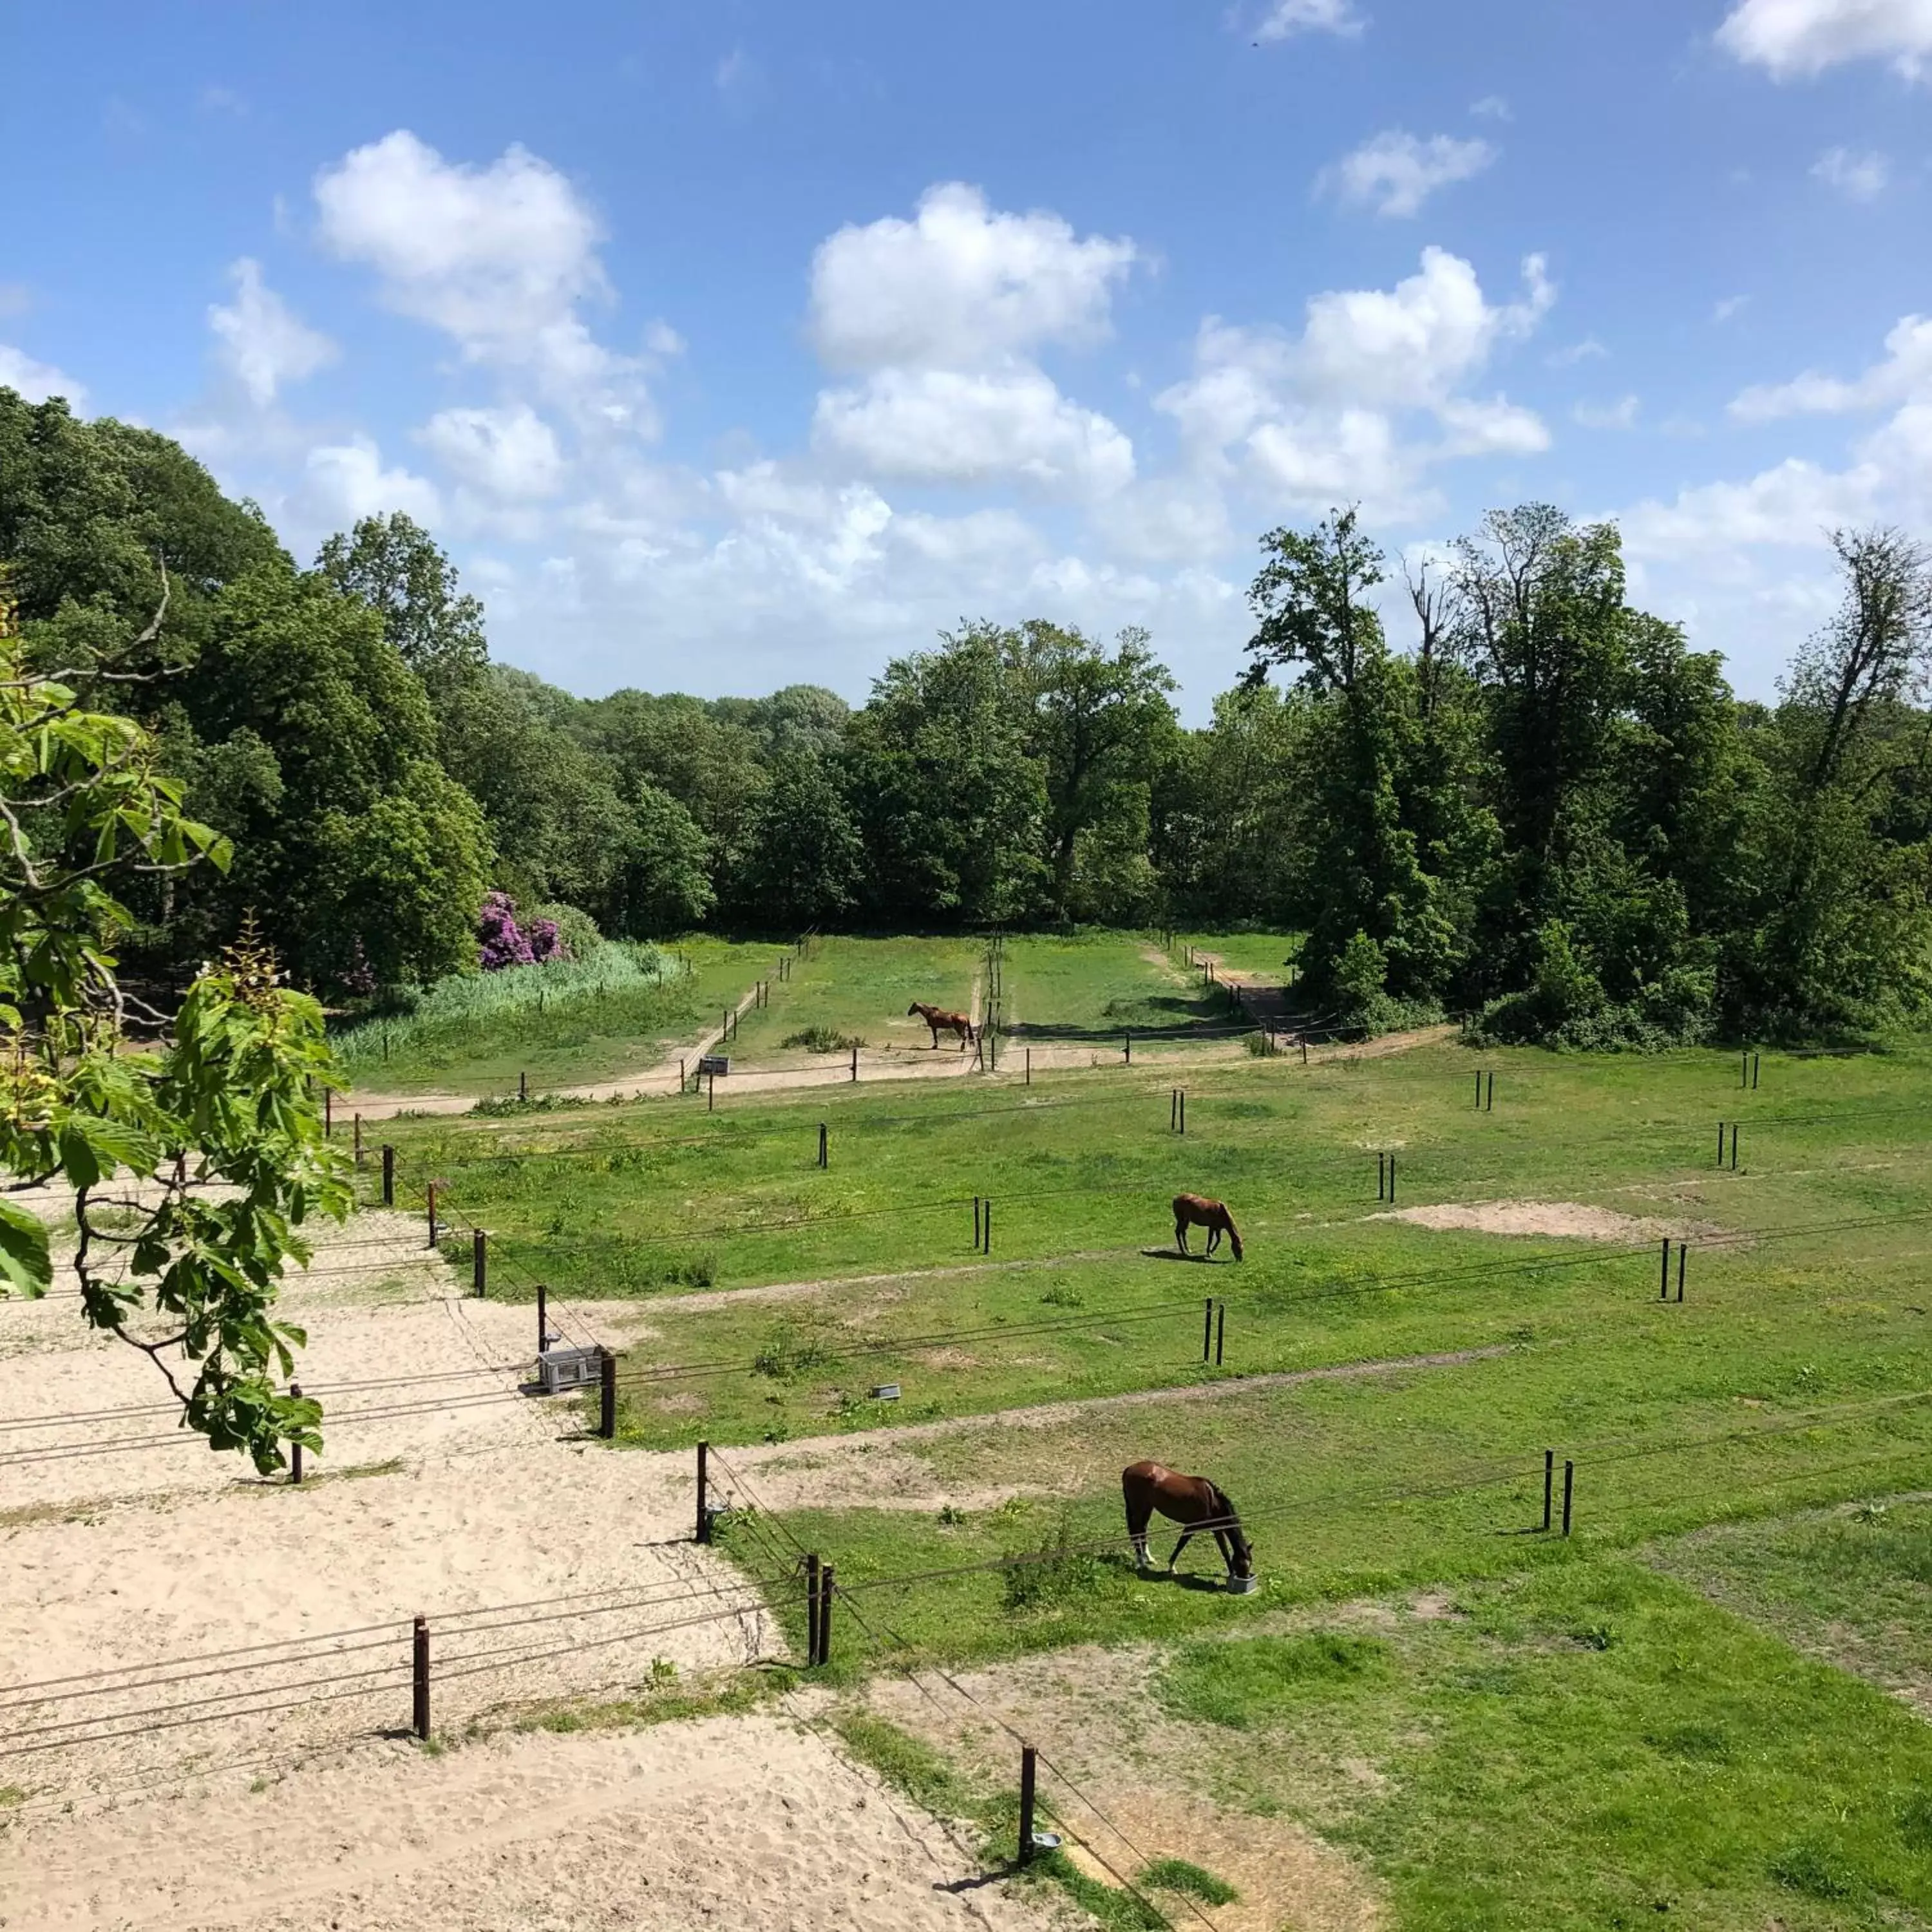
1233,1233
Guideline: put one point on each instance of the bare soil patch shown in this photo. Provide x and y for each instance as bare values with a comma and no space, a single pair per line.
1568,1219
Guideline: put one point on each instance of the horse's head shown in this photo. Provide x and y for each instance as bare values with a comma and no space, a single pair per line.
1235,1242
1241,1560
911,1009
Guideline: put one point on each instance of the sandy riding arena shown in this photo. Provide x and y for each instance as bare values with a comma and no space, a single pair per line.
206,1700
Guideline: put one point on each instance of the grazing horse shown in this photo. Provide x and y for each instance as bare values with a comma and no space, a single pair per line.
1194,1210
1193,1502
941,1021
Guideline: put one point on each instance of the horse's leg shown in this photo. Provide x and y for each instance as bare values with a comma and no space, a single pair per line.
1227,1552
1180,1233
1213,1238
1139,1510
1186,1536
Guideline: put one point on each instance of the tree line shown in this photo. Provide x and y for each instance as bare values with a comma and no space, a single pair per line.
1550,813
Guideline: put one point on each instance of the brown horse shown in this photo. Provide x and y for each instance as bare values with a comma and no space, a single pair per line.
942,1021
1196,1211
1193,1502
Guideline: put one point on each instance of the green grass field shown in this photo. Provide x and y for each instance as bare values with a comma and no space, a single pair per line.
1680,1710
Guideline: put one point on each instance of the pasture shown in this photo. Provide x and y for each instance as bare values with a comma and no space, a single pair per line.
1643,1717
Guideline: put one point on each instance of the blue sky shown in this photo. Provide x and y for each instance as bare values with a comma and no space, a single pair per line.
733,345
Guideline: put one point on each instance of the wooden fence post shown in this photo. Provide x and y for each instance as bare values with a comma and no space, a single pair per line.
607,1406
1207,1328
355,1124
1027,1776
328,1114
811,1609
419,1672
1569,1488
823,1150
704,1512
522,1086
388,1176
1220,1331
543,1317
432,1213
295,1448
479,1264
855,1062
1549,1486
825,1595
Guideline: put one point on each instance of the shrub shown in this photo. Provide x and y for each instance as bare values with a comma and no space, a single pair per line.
1052,1573
822,1039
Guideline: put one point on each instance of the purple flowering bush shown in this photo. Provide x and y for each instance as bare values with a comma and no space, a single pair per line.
502,942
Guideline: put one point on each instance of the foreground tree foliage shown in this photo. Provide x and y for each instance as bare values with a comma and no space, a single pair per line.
1549,812
184,1171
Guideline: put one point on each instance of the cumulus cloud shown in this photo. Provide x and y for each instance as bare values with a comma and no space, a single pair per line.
38,381
1374,390
1395,172
969,426
1857,176
1791,38
347,481
1905,374
263,342
1284,18
502,259
943,315
959,285
508,453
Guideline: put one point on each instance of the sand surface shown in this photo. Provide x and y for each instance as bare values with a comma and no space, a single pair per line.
206,1684
1570,1219
749,1824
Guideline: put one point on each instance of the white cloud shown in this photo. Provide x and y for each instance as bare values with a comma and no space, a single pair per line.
1286,18
1587,350
1326,416
1857,176
959,285
971,426
508,453
1396,172
501,258
37,381
263,342
1492,107
1621,414
1906,374
347,481
1788,37
1723,311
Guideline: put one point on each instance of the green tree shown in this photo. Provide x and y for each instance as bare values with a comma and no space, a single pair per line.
804,863
1310,598
192,1168
394,566
1099,726
949,803
665,887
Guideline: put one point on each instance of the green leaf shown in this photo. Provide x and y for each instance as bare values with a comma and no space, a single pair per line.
24,1257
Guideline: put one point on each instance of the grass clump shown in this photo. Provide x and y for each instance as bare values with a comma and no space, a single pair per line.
1247,1681
822,1039
1191,1880
1052,1575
